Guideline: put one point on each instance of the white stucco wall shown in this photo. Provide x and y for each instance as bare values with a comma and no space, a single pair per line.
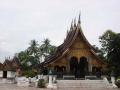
1,74
10,74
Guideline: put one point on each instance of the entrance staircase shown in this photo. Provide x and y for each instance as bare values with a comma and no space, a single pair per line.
5,80
83,85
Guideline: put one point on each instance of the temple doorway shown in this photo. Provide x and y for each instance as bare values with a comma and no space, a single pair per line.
73,65
79,69
4,74
60,70
83,67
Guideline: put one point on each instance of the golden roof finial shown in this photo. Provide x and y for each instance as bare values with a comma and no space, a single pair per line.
71,25
75,22
79,19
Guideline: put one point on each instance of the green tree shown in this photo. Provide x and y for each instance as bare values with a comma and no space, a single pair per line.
110,42
114,53
33,52
24,58
106,40
99,52
33,48
30,58
46,48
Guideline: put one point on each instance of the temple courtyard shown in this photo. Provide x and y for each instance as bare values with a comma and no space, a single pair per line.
15,87
61,86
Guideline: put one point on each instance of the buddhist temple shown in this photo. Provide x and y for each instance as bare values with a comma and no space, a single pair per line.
75,56
9,68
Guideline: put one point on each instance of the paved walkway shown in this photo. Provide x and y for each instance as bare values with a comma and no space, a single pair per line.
15,87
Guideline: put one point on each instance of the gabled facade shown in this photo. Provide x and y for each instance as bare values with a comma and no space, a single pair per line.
75,56
9,68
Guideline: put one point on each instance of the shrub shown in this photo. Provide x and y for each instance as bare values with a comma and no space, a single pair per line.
118,83
118,78
55,82
41,83
29,73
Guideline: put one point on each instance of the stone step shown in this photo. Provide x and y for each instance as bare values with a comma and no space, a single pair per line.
82,84
65,85
80,80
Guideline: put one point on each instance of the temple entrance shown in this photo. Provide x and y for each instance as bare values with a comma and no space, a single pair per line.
83,67
60,70
79,69
4,74
73,65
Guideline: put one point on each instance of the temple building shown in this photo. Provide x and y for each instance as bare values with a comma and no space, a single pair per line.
75,56
10,68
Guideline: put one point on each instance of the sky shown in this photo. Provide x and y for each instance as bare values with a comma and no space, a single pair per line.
25,20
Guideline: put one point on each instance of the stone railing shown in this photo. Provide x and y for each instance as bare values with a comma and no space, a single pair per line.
110,84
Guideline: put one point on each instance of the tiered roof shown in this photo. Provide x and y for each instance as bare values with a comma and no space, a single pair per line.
75,31
10,65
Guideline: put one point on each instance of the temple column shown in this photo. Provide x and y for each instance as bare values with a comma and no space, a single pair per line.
68,64
90,64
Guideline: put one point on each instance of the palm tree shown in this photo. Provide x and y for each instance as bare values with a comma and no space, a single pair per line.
33,52
46,48
33,48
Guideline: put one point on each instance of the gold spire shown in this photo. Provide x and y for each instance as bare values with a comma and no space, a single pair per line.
75,22
79,20
71,28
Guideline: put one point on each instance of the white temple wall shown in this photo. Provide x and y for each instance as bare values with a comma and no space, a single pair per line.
1,74
10,74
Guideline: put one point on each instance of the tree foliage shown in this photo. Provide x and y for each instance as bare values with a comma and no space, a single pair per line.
46,48
33,48
106,39
32,56
99,52
110,42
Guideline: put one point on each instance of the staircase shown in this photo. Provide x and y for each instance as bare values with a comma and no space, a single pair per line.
83,85
7,81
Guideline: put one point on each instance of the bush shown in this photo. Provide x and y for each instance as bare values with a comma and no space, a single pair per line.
111,69
118,78
117,72
118,83
55,82
41,83
29,73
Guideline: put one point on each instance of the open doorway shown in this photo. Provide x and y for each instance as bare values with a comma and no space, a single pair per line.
83,67
4,74
73,65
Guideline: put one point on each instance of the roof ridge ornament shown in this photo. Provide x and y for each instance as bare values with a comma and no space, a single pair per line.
74,22
79,18
67,33
79,21
71,28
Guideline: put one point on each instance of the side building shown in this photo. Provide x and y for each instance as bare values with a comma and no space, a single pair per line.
10,68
